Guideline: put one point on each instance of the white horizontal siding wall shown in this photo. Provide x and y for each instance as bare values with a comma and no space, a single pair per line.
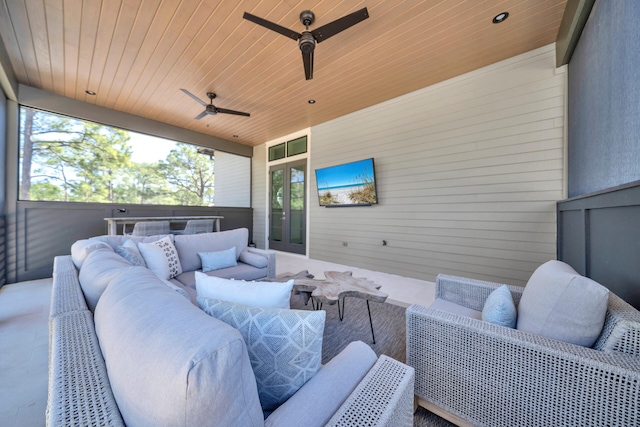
468,173
259,195
232,180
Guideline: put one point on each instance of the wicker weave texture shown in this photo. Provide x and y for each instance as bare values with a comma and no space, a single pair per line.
383,398
490,375
79,392
271,257
63,264
66,294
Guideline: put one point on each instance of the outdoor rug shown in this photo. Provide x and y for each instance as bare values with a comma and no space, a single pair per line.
389,327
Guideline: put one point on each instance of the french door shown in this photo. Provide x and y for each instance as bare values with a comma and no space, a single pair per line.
288,207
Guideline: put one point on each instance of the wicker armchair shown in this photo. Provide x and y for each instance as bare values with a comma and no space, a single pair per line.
476,373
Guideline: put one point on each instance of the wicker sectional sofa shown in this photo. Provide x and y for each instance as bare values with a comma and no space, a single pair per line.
148,356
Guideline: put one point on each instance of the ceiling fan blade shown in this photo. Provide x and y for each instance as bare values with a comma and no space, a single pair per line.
201,115
339,25
237,113
307,59
200,101
271,26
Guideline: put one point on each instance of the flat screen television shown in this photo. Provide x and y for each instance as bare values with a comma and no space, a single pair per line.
348,184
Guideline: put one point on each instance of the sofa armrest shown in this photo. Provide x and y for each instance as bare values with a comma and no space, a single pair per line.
487,374
320,397
470,293
79,391
271,259
383,398
66,294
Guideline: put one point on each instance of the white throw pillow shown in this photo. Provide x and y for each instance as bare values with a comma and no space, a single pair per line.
161,257
284,346
218,260
256,294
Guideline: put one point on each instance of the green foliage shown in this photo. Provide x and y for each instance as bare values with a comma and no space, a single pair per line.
63,159
191,174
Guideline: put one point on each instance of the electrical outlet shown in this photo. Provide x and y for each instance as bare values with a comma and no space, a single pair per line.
345,243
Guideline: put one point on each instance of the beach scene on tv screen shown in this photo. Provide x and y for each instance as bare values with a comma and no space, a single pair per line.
348,184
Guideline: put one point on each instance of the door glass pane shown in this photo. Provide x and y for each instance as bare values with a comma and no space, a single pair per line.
277,195
296,218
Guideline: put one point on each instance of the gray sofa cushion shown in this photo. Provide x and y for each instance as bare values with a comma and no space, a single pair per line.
241,271
189,245
169,363
81,248
100,267
559,303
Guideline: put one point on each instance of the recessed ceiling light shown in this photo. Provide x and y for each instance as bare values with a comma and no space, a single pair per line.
500,17
90,92
312,101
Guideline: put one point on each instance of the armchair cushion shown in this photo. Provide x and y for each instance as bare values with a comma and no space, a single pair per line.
499,308
452,307
559,303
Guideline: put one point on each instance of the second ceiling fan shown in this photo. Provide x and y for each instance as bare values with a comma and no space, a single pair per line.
307,39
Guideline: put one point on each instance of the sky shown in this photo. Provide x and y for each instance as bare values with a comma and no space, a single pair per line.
150,149
342,175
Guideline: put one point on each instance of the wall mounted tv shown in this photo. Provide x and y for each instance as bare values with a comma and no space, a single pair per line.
349,184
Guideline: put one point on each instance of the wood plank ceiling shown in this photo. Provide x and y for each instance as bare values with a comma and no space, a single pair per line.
137,54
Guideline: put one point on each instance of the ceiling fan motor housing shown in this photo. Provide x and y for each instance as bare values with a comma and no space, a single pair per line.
307,43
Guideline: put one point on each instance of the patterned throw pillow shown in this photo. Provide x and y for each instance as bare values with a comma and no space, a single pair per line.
161,257
129,251
284,346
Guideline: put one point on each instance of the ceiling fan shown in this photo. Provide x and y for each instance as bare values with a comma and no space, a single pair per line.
210,108
308,39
